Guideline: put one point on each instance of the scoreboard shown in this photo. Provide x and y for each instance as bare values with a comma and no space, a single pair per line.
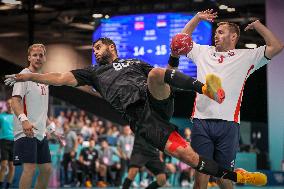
148,36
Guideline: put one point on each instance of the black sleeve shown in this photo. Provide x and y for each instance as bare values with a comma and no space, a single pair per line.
84,76
146,67
82,153
97,155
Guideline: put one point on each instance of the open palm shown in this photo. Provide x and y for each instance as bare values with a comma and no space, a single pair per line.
208,15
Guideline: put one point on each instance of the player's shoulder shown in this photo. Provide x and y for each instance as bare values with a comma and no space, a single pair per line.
129,60
25,70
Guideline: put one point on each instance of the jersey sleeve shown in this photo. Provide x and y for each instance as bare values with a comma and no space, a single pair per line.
84,76
196,51
20,89
146,67
258,57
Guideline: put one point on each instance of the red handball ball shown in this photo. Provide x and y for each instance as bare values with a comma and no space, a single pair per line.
181,44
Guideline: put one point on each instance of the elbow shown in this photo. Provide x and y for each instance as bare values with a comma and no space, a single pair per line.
278,48
275,49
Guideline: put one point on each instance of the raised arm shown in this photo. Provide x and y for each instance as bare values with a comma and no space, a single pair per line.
273,44
56,79
208,15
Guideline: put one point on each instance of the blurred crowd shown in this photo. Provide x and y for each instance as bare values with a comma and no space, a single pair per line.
97,153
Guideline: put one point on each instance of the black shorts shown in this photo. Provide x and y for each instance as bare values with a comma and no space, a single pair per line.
31,150
6,148
150,119
152,163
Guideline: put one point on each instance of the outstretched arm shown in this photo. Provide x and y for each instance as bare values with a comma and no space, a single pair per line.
273,44
208,15
56,79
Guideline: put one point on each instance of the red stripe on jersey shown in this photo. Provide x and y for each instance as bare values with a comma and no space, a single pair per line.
238,107
194,106
25,106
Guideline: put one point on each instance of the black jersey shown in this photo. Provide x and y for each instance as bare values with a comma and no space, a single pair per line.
121,83
143,147
90,155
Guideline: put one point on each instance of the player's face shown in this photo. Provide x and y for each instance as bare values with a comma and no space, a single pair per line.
92,143
102,53
37,58
222,38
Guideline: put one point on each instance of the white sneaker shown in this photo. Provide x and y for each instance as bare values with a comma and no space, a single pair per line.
168,184
184,183
144,183
134,184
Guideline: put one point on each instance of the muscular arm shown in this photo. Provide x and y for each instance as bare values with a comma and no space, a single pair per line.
17,105
56,79
207,15
18,109
273,44
191,25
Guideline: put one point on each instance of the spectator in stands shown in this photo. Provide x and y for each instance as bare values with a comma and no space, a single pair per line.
6,145
115,131
69,153
88,164
87,130
186,172
125,144
61,118
107,166
170,166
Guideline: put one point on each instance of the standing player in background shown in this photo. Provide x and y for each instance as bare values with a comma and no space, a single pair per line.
215,132
144,154
30,106
136,90
6,145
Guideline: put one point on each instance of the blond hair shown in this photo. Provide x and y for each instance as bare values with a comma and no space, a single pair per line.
35,46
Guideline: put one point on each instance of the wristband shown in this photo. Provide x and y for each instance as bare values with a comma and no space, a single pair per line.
22,117
173,61
50,128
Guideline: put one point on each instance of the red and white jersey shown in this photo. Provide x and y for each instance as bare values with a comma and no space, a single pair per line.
35,101
233,67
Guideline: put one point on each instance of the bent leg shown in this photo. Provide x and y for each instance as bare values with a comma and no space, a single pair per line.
130,177
200,181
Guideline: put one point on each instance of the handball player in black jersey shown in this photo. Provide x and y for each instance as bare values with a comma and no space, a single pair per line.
145,155
136,89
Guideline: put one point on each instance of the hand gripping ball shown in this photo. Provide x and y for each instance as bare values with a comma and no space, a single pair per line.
181,44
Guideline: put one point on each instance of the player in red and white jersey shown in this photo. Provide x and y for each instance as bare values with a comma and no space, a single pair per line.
215,132
30,105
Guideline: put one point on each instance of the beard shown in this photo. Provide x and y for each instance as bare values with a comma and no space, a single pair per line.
106,58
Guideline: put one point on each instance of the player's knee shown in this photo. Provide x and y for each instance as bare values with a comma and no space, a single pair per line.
30,170
48,170
156,74
11,166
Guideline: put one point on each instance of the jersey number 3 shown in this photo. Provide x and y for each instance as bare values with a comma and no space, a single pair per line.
43,90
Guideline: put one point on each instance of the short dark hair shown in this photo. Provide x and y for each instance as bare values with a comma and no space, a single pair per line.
234,28
106,41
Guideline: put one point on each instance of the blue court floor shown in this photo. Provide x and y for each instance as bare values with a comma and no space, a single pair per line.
237,187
